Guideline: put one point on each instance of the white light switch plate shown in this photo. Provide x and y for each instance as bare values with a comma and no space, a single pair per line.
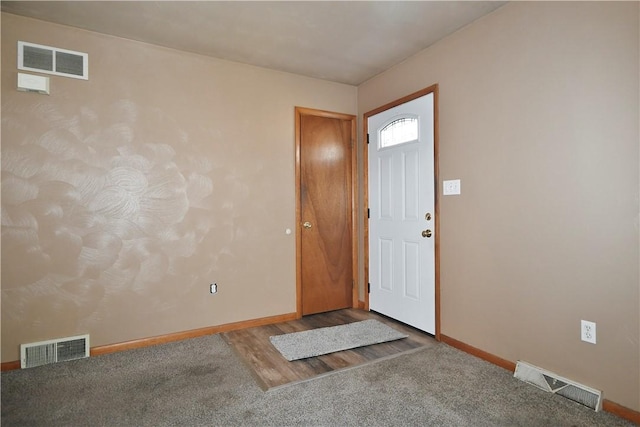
451,187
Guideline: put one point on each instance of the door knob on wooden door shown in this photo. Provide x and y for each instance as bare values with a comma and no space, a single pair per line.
306,224
426,233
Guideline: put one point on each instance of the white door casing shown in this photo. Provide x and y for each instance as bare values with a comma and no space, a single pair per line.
402,203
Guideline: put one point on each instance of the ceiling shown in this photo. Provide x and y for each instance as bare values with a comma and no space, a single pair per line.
343,41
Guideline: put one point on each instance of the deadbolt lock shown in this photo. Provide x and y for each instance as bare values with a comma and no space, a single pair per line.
426,233
306,224
427,216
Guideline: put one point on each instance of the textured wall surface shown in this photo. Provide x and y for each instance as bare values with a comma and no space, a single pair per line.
539,110
124,196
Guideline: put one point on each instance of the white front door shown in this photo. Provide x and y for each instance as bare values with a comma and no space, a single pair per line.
401,203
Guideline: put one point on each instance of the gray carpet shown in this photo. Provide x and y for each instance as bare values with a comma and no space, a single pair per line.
316,342
201,382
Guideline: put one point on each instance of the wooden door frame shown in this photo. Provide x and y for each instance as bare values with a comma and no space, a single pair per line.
436,136
299,112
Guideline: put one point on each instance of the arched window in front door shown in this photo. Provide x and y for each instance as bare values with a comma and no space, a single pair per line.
401,130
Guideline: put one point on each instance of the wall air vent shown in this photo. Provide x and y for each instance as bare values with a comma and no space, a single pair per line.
52,351
53,60
552,383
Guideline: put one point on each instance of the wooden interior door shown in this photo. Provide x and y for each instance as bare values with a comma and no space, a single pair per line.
325,241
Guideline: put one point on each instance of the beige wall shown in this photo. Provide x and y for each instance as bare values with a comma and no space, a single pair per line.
124,196
539,110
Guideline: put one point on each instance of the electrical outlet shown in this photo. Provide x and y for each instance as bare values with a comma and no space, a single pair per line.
213,288
588,331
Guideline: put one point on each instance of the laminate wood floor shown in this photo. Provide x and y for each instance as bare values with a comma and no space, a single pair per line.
271,369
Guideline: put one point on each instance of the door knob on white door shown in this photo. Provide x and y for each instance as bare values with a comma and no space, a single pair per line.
426,233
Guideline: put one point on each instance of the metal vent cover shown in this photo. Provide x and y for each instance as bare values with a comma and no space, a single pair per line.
52,351
53,60
553,383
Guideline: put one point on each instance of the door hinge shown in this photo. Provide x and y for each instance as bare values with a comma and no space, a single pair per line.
367,138
368,288
368,213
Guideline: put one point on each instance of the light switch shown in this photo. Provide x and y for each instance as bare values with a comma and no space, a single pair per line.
451,187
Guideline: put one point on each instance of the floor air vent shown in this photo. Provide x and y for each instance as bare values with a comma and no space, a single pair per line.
553,383
52,351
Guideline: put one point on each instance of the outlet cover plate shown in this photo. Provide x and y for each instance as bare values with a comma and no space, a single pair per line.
588,331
